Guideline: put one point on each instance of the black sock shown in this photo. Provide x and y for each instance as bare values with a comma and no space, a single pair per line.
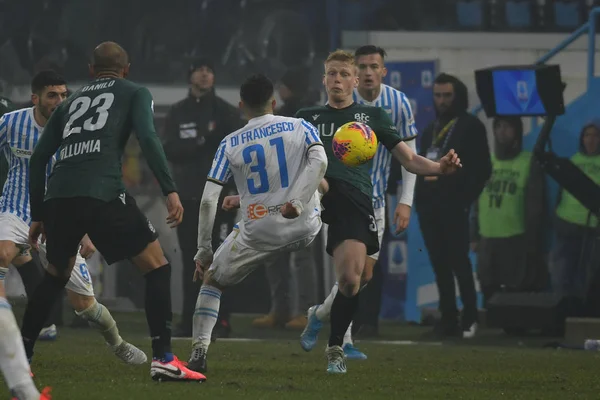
32,274
38,308
158,310
342,311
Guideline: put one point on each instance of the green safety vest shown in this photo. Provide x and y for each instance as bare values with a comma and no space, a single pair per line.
569,208
502,203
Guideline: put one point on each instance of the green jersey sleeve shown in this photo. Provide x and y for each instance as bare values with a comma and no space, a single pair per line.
46,147
143,125
386,131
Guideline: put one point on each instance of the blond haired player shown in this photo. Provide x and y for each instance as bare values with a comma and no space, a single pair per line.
348,206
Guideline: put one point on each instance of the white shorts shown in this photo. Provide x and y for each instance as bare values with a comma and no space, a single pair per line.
234,260
380,221
14,229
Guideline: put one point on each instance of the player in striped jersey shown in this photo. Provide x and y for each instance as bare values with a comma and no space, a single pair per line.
371,91
19,132
277,163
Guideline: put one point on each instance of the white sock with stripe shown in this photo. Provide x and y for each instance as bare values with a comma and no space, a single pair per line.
13,362
325,309
205,315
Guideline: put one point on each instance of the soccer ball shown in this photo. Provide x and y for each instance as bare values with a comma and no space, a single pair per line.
354,144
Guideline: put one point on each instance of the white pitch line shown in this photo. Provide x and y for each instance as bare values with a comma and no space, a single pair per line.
388,342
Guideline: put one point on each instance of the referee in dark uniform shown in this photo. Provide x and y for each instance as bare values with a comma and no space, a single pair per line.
194,127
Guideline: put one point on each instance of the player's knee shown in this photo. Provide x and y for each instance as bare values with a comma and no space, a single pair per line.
151,258
210,280
80,302
367,273
349,284
7,253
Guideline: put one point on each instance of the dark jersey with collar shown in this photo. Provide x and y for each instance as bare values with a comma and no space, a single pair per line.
328,119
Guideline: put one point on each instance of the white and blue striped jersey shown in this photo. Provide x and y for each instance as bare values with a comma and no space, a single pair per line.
19,133
396,104
266,159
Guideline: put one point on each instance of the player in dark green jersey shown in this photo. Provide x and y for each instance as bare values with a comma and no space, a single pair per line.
348,208
86,194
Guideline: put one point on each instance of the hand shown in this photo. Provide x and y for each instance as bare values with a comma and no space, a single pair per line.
87,248
290,210
450,163
175,210
401,217
231,203
35,230
203,259
474,246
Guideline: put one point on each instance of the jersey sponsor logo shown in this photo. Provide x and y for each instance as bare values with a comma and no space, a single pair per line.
361,117
75,149
4,102
315,117
257,211
21,152
324,132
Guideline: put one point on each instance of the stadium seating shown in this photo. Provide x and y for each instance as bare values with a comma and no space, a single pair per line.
470,14
519,14
567,14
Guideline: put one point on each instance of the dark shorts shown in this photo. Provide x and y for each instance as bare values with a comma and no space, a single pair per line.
349,214
118,228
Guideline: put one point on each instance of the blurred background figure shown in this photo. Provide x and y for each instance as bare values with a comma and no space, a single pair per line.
194,127
292,278
573,267
443,203
509,230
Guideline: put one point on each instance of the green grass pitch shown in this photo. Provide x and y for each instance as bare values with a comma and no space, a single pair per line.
80,367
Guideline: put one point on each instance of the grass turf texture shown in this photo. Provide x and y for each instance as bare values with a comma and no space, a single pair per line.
79,366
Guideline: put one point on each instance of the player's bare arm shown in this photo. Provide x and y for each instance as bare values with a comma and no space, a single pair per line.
420,165
143,125
43,152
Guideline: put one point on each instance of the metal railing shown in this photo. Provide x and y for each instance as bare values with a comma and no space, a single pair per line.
590,28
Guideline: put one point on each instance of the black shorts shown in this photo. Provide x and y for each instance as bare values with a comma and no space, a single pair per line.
118,228
349,214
